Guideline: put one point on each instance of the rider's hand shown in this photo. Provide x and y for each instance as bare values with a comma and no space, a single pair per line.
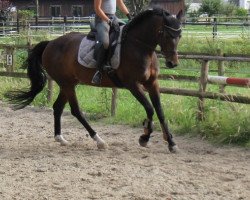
129,17
114,23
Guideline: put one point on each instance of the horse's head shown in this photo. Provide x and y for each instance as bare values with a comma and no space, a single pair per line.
169,37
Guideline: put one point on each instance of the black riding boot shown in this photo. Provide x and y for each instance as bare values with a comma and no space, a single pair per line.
97,78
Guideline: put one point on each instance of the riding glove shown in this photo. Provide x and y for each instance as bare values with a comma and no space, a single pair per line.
129,17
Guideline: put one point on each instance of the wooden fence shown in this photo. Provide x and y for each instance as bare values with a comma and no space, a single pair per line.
203,80
65,23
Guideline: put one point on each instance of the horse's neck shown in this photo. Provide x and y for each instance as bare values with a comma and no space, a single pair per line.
145,35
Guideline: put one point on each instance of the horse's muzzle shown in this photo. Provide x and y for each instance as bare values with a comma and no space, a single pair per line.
172,61
170,64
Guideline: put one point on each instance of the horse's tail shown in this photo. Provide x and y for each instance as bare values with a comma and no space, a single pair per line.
37,76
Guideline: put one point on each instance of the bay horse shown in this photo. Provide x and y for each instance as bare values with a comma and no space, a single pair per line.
137,72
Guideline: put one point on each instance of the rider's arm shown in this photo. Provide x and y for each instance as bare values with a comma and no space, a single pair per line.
122,6
99,11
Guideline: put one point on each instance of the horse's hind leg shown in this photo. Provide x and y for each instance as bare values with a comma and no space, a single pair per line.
154,95
75,110
58,109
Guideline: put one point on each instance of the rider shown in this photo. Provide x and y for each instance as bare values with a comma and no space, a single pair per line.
105,18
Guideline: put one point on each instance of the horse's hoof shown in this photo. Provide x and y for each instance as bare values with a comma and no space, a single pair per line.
143,142
61,140
102,145
173,149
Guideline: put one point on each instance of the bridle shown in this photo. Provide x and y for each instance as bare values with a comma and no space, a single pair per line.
167,30
164,29
173,29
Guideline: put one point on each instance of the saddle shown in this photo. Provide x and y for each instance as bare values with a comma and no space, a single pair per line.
113,38
87,47
86,53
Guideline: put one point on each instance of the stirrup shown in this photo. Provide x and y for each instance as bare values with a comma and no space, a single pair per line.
97,78
107,67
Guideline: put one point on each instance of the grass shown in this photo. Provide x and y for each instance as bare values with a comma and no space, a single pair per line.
208,45
222,32
226,123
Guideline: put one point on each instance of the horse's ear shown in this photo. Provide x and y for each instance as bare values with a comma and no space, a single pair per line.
179,16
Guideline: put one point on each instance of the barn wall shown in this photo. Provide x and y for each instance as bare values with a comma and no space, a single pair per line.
4,4
173,6
66,6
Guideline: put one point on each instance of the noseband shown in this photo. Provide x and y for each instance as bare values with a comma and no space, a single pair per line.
169,31
168,28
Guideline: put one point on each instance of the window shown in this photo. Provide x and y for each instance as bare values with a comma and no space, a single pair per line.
55,11
77,11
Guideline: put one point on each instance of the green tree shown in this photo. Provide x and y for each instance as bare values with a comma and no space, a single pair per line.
25,14
211,7
241,12
187,5
228,9
235,2
136,6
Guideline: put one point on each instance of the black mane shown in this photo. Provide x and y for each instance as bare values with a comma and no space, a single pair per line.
141,16
145,14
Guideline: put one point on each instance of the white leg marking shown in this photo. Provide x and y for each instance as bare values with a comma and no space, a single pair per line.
61,140
175,149
100,142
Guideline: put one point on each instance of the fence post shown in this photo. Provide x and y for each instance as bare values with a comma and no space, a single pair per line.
202,89
9,59
65,23
64,29
215,28
36,22
113,102
221,70
4,25
17,23
50,90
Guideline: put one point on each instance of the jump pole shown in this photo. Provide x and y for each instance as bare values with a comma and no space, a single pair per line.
229,81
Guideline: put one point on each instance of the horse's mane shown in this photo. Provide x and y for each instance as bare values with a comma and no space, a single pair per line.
141,16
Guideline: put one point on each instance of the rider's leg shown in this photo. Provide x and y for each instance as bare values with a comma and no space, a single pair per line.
100,61
102,44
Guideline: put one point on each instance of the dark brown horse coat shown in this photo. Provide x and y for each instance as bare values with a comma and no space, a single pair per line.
138,70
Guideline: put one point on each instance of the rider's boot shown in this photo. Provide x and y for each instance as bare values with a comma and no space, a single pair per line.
101,57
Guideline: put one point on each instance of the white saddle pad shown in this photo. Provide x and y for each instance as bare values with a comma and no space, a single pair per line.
86,53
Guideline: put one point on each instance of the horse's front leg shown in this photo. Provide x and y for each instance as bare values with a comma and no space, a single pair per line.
153,89
138,93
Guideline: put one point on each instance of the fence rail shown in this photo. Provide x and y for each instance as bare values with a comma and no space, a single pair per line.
51,23
203,80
